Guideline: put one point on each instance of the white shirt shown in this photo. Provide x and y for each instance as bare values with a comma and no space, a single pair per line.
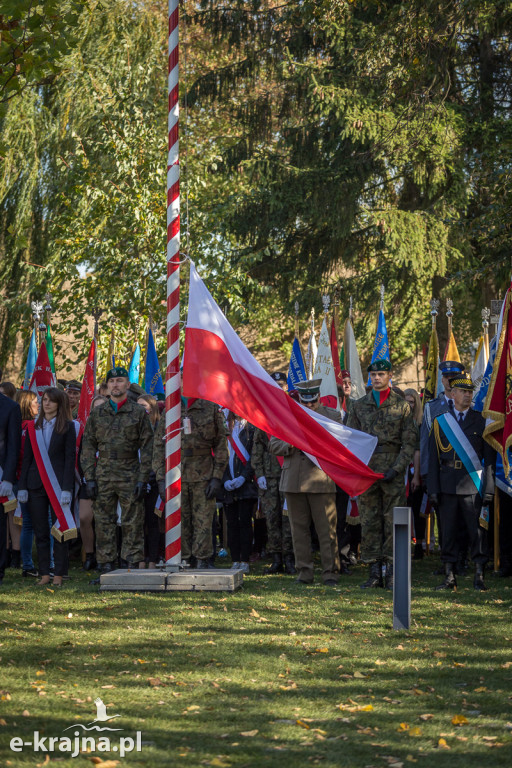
457,414
48,431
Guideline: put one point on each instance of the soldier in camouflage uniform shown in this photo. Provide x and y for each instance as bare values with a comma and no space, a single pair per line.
120,432
268,474
204,456
386,415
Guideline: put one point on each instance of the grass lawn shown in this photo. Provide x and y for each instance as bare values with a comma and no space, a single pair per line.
277,674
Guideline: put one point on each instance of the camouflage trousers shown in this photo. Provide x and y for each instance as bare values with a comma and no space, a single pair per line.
111,491
279,534
376,513
196,521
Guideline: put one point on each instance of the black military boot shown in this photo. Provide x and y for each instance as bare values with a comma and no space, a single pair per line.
375,576
89,562
450,582
15,558
289,564
277,563
418,551
389,576
478,581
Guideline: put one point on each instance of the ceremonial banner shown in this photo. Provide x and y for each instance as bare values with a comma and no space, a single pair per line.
88,389
381,343
296,369
335,353
432,369
498,403
134,369
43,376
218,367
31,360
481,393
451,352
324,369
481,360
49,348
152,376
352,363
311,356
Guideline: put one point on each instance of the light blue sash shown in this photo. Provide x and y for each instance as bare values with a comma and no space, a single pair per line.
463,449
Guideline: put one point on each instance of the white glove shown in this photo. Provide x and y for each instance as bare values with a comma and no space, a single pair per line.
262,483
228,485
5,488
22,497
237,482
65,498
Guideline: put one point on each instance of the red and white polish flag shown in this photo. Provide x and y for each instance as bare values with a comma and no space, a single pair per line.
88,389
218,367
43,376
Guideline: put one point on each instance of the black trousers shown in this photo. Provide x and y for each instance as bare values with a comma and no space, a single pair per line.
414,501
458,512
3,542
151,524
38,503
239,524
342,532
505,530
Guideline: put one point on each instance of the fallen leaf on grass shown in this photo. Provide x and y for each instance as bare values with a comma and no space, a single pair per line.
415,731
254,613
45,762
459,720
154,681
25,713
108,686
442,744
403,727
104,763
359,674
193,707
218,763
2,721
489,738
249,733
426,717
480,690
40,672
303,724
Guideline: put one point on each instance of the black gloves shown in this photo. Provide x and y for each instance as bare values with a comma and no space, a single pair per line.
91,489
213,488
434,500
389,475
139,491
488,499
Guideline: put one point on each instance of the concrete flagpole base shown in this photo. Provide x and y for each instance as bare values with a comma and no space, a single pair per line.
172,579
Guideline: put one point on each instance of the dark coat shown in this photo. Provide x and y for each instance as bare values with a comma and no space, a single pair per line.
446,473
249,489
10,437
62,453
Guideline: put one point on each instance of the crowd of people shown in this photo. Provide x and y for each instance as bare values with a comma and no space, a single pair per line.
245,494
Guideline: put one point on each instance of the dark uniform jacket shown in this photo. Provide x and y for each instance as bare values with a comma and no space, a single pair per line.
10,437
447,473
249,489
432,409
299,474
62,455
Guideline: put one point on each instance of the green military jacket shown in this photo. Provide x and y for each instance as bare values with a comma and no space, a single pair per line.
121,439
204,453
263,462
394,426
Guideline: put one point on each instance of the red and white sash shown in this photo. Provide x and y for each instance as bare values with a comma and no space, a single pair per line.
65,526
10,501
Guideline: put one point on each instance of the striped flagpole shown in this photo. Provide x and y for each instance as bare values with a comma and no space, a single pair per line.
172,383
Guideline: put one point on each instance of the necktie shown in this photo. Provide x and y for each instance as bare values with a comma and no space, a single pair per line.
461,417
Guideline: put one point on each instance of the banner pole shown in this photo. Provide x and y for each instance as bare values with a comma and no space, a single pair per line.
172,379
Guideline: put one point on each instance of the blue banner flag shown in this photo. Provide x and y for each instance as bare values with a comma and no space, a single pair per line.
381,343
134,369
296,369
152,377
481,392
31,360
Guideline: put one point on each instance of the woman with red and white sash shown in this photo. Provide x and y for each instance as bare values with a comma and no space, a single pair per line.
47,480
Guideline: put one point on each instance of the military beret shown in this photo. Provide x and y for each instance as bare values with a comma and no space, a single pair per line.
451,367
116,372
308,390
279,376
379,365
462,382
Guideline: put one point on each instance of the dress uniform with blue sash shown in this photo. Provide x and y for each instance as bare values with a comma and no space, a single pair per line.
451,486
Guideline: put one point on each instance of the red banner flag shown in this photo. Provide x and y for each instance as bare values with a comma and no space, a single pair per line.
43,376
335,353
88,389
498,403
